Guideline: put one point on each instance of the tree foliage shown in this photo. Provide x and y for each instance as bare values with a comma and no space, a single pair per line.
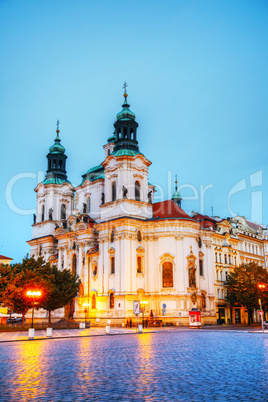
57,287
242,287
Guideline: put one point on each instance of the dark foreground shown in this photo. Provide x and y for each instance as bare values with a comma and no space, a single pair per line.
176,365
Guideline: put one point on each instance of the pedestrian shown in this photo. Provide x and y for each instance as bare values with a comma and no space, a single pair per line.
127,324
130,323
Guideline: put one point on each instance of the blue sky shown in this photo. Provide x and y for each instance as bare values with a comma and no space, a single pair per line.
197,82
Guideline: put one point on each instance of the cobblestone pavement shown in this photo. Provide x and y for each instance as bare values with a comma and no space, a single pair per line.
171,365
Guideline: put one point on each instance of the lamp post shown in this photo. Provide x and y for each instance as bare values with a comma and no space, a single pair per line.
33,294
262,287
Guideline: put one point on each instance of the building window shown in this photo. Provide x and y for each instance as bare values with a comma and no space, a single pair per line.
201,271
63,212
112,300
88,205
167,270
230,261
218,293
43,213
225,259
235,261
94,269
216,257
114,191
112,265
93,302
74,265
137,191
220,258
226,276
112,236
139,237
139,265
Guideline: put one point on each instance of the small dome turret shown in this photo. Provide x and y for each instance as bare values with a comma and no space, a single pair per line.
177,196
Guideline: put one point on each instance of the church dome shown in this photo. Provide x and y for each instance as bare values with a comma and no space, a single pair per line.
57,148
125,113
176,195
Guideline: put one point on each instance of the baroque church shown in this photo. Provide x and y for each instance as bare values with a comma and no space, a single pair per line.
123,246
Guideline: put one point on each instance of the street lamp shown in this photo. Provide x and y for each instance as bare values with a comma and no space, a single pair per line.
262,287
33,294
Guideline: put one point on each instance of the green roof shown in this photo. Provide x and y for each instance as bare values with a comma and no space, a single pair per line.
126,152
56,180
95,173
94,169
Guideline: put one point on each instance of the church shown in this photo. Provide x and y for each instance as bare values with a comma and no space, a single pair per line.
123,246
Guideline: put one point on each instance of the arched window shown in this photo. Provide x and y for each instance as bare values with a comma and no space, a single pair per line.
114,191
54,164
93,302
74,264
139,265
43,213
60,164
137,191
167,271
63,212
201,271
88,205
112,300
125,132
112,265
218,293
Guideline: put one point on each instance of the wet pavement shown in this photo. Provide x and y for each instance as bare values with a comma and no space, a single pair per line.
171,365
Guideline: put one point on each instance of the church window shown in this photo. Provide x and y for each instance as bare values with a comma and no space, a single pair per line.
137,191
63,212
225,259
114,191
74,265
201,271
54,164
43,213
218,293
220,258
216,257
139,237
112,236
112,300
112,265
167,272
125,132
93,302
226,276
230,261
60,164
192,280
131,133
139,265
235,261
94,269
88,205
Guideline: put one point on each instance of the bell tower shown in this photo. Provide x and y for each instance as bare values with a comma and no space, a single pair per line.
56,160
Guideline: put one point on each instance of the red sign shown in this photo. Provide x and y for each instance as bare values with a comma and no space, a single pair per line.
261,312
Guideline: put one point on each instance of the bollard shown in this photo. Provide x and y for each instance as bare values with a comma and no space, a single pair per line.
31,333
140,329
107,329
49,333
82,325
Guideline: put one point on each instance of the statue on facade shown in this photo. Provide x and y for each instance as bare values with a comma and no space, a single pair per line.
50,214
150,197
102,198
125,191
34,218
192,281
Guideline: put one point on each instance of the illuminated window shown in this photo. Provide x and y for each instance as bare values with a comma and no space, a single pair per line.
139,265
167,269
93,302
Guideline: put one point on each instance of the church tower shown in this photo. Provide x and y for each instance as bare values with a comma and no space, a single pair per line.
54,201
127,191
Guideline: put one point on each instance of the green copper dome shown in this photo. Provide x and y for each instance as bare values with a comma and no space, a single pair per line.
125,113
57,148
176,195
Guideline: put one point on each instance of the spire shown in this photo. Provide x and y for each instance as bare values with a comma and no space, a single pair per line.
177,196
56,161
126,127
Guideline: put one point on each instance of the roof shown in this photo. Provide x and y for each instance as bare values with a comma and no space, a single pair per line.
169,209
2,257
95,173
125,152
205,221
254,226
55,180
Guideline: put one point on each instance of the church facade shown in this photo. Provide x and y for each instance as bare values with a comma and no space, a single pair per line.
123,246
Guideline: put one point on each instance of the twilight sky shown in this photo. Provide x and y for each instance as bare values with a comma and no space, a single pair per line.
197,82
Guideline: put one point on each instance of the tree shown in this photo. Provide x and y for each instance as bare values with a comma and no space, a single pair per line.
58,288
242,287
64,288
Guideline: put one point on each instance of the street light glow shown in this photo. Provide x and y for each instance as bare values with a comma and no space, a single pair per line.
261,286
36,293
